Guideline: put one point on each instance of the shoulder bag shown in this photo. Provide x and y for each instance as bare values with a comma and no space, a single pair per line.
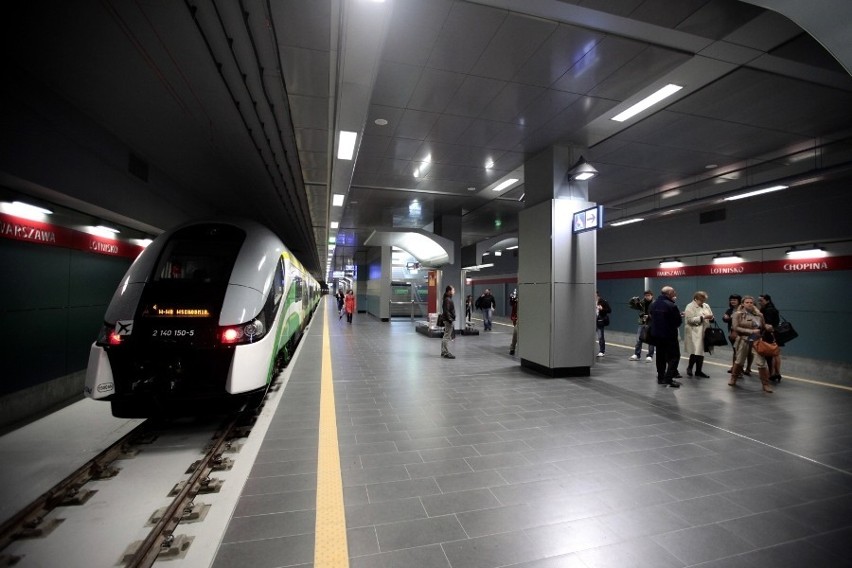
715,336
767,347
785,333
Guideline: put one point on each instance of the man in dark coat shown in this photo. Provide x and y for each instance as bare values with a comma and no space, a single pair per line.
665,323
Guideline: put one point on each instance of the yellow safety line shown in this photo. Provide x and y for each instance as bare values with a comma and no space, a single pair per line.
330,547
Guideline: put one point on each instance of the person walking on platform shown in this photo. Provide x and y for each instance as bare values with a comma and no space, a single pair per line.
602,320
340,296
349,305
448,314
468,308
665,323
643,305
698,316
513,300
749,325
487,304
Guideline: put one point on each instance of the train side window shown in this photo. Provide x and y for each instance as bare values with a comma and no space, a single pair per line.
297,288
278,282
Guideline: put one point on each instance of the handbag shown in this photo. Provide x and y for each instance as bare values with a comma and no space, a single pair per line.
645,334
715,336
785,333
767,347
440,321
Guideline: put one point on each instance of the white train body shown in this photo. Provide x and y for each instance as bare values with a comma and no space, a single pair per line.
204,314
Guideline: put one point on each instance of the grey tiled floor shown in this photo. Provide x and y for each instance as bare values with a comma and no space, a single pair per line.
475,462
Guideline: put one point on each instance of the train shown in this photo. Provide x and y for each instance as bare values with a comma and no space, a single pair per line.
202,320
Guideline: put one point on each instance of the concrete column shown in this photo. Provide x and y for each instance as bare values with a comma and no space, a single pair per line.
385,292
557,274
448,225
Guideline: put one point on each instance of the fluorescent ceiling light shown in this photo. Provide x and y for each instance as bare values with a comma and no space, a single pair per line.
26,211
330,247
627,222
584,176
814,252
346,145
756,192
512,248
498,253
478,266
727,259
671,264
648,101
505,184
337,199
334,224
103,231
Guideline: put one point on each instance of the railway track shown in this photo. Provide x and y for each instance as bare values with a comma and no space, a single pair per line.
146,468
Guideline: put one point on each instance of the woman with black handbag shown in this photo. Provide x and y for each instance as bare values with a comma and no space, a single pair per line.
773,319
697,316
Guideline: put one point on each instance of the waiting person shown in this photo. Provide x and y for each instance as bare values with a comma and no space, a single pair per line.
642,304
487,304
468,307
603,310
734,302
349,305
513,301
665,323
749,325
772,318
698,316
448,314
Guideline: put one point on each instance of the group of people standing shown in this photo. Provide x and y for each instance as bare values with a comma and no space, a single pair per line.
746,324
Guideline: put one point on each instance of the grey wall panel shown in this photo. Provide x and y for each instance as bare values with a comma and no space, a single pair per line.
534,340
34,276
34,348
93,278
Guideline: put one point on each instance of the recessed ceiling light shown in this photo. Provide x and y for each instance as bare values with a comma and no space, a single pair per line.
346,145
648,101
627,222
756,192
505,184
335,224
337,200
381,121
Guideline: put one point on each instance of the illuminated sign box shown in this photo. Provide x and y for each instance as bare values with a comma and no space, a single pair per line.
589,219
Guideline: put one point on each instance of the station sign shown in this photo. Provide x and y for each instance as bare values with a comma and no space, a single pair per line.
590,219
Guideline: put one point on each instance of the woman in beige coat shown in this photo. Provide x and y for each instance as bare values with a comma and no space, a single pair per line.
697,317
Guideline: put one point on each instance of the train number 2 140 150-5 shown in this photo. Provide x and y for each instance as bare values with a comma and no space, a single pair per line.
173,333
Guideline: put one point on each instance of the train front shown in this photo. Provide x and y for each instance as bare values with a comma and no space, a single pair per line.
162,349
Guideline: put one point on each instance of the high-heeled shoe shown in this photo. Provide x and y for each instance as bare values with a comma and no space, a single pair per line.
702,374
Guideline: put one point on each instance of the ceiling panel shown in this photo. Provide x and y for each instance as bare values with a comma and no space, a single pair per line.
394,84
473,96
309,112
414,28
464,36
415,124
601,61
511,46
511,101
305,71
435,90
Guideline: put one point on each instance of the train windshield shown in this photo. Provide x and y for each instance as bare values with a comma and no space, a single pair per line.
204,254
192,274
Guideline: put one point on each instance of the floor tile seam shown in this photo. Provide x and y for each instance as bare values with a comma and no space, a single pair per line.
272,513
268,538
685,415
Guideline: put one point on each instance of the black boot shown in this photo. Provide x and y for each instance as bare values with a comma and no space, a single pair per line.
699,364
689,366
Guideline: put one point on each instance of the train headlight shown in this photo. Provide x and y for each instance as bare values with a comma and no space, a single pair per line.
243,333
108,336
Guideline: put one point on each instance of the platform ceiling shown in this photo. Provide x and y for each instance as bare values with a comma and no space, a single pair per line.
237,104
